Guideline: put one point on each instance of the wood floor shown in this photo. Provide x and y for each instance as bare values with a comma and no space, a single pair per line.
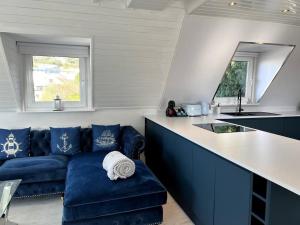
48,211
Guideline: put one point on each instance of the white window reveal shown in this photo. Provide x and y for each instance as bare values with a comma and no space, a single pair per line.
56,70
239,76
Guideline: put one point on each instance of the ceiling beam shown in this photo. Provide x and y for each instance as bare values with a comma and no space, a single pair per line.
192,5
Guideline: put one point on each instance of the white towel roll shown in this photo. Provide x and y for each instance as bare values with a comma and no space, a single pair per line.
118,165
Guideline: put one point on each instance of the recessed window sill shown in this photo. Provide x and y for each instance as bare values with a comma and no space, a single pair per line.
52,111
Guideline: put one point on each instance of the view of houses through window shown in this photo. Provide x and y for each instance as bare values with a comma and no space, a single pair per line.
56,76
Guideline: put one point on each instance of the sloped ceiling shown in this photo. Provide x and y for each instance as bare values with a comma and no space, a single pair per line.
205,48
132,48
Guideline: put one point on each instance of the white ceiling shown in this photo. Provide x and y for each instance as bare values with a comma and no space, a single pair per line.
262,10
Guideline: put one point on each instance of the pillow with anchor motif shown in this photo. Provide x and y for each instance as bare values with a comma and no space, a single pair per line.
14,143
65,141
106,138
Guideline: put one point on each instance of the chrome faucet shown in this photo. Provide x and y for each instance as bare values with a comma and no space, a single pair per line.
239,104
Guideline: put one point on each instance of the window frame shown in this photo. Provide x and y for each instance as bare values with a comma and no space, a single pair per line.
251,58
85,103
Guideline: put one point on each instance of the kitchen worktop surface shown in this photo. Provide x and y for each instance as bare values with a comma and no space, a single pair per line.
271,156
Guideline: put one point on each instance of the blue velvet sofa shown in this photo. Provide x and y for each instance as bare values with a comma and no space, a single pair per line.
43,173
90,198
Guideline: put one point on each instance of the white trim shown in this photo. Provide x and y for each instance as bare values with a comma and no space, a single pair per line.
250,80
86,101
53,50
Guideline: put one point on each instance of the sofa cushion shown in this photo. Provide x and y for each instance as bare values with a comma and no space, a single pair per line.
14,143
65,141
35,169
106,138
90,193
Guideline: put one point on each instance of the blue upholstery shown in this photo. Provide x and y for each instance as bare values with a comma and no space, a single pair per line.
44,188
35,169
14,143
90,197
94,195
132,142
106,138
138,217
65,141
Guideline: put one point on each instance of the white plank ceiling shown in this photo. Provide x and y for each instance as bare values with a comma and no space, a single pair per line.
279,11
133,48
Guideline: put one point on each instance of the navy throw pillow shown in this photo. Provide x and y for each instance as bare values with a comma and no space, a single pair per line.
14,143
106,138
65,141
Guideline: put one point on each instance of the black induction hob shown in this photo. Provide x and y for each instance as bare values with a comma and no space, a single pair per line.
223,128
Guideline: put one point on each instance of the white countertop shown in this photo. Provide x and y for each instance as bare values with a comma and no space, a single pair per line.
271,156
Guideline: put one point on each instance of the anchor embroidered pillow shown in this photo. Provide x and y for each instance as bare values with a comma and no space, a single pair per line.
65,141
14,143
106,138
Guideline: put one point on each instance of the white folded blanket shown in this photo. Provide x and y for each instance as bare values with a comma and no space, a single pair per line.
118,165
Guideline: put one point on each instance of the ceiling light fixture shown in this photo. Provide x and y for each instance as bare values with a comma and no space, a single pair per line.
285,10
232,3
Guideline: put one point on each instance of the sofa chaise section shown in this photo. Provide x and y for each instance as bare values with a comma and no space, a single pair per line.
90,196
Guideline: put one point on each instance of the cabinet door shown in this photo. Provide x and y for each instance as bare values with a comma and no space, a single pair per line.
291,127
203,186
178,157
232,194
154,148
243,122
272,125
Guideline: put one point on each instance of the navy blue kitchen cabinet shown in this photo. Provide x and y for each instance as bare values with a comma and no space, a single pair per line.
179,164
283,206
285,126
189,181
210,189
213,190
233,189
203,186
292,127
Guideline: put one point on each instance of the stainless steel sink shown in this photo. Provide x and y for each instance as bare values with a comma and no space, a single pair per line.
251,114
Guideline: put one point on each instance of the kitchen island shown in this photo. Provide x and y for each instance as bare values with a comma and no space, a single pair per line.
226,179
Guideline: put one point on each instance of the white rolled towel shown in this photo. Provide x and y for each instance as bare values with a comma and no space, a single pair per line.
118,165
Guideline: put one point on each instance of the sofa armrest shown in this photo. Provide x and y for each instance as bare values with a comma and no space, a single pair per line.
132,142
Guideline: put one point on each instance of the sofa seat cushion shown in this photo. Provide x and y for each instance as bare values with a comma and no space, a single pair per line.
90,193
35,169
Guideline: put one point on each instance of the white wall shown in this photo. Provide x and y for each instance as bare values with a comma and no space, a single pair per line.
132,117
205,48
132,54
268,65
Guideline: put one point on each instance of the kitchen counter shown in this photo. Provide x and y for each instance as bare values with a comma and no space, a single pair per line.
274,157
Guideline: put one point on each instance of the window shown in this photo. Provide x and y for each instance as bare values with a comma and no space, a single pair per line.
239,75
53,70
56,76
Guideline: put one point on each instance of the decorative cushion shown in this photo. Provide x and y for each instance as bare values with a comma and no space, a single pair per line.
90,193
35,169
65,141
14,143
106,138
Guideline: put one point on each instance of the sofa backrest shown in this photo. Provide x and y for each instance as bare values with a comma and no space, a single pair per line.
40,141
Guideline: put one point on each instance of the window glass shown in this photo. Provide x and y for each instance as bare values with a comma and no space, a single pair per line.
56,76
235,79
